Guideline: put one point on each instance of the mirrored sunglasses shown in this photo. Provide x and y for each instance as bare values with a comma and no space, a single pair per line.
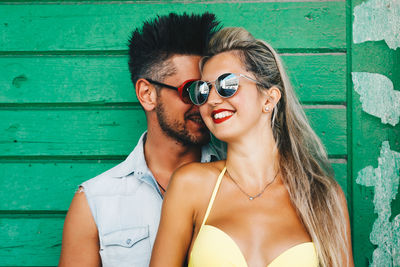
226,86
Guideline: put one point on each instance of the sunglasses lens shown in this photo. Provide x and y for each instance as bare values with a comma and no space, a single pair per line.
184,91
227,84
198,92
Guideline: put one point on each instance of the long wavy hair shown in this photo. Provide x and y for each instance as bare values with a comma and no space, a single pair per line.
303,161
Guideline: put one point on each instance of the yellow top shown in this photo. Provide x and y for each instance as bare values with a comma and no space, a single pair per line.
213,247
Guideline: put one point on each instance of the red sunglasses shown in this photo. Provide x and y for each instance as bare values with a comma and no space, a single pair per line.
182,89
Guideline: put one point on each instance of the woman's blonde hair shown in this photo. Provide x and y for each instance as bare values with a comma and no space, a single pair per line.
303,161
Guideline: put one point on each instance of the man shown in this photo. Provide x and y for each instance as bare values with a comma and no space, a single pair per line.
113,218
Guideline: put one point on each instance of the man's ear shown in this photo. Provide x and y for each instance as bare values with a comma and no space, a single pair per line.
146,94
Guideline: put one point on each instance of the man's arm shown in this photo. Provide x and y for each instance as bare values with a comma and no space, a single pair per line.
80,242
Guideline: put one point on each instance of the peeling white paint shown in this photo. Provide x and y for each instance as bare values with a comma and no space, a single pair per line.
377,96
377,20
385,180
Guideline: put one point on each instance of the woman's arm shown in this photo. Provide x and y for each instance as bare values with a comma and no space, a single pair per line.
177,219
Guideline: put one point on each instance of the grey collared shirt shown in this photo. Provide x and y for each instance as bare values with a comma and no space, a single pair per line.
125,202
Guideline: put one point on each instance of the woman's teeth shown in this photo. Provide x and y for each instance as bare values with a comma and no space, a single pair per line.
222,114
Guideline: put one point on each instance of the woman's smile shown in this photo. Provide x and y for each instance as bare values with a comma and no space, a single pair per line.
221,115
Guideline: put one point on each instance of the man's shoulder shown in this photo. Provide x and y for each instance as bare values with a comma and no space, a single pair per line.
108,174
125,172
107,180
133,165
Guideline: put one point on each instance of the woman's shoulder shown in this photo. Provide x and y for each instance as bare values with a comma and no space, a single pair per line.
200,168
196,177
197,172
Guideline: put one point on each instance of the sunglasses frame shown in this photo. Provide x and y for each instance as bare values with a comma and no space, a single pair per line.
209,84
181,89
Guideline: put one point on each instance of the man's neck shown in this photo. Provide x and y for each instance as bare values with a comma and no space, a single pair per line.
164,155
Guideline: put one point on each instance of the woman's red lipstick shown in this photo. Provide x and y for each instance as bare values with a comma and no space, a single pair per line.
219,120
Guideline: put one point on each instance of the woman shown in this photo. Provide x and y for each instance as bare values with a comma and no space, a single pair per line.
273,202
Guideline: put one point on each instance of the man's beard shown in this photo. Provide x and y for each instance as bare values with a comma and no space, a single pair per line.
178,131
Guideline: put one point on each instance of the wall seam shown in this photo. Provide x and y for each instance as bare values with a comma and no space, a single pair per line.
349,40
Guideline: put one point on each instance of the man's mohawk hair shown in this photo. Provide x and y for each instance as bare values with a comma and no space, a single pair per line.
168,35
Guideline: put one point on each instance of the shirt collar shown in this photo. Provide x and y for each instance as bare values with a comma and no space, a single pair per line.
136,165
209,153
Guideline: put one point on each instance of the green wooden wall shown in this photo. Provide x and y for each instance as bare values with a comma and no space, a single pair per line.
68,110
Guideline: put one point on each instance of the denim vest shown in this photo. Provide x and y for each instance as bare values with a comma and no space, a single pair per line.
125,202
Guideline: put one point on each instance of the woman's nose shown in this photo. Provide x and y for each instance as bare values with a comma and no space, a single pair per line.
214,98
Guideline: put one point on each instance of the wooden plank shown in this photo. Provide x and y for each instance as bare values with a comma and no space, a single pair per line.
113,131
63,79
106,79
45,185
330,126
318,78
341,177
313,25
369,133
30,241
50,185
107,132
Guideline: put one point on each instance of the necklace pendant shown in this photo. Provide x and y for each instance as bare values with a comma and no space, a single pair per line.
251,198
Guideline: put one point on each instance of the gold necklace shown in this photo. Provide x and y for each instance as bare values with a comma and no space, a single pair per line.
244,192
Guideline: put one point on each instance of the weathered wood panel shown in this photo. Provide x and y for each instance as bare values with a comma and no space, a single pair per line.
105,79
55,27
369,134
51,185
114,131
343,178
318,78
30,241
47,184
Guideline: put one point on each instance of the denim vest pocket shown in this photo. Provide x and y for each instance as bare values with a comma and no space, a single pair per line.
126,238
128,247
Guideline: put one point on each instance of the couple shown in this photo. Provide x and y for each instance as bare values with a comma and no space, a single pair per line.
272,202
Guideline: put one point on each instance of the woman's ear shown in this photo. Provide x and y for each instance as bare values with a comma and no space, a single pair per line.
273,95
146,94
